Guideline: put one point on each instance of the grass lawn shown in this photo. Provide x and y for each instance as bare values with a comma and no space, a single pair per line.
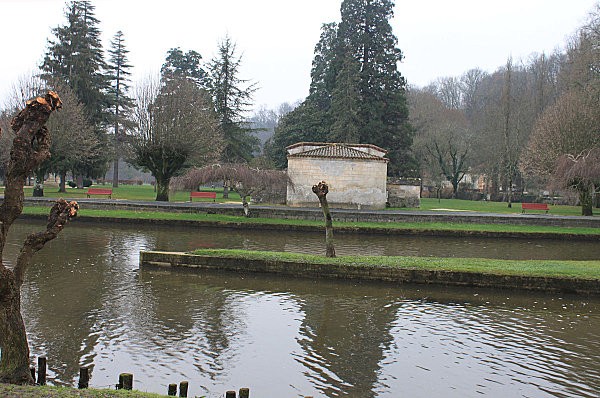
130,192
9,390
543,268
224,219
146,193
490,207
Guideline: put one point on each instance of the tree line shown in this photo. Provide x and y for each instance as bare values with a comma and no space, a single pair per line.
193,113
514,126
529,125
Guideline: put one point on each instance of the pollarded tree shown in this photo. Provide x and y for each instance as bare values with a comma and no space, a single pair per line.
121,103
177,128
232,97
30,147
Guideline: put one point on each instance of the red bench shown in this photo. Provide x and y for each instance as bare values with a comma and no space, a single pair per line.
99,191
534,206
207,195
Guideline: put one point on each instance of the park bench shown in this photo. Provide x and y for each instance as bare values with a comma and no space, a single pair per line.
99,191
534,206
207,195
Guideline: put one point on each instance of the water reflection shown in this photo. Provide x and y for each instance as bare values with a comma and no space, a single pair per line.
86,303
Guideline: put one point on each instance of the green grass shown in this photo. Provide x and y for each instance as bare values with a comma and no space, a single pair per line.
9,390
146,193
543,268
131,192
224,219
445,205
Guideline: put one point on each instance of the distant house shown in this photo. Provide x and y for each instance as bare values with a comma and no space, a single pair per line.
356,174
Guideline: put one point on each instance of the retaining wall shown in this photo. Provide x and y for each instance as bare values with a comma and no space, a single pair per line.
387,274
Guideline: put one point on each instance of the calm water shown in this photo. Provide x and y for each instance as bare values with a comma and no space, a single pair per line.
86,303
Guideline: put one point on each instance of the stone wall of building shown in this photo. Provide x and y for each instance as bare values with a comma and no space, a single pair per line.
353,183
404,193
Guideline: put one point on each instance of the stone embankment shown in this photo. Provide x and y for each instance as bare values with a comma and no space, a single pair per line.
295,213
184,261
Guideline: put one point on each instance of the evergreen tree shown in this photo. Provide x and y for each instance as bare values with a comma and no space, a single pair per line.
121,104
345,103
179,65
357,93
232,96
383,113
75,56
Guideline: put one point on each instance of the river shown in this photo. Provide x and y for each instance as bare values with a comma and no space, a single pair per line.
86,303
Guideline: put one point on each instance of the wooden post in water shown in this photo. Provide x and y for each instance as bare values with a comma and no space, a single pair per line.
84,378
41,376
230,394
172,390
183,389
126,381
244,393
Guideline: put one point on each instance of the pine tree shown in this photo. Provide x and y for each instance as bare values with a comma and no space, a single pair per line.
179,65
75,56
345,103
121,104
383,113
232,96
357,93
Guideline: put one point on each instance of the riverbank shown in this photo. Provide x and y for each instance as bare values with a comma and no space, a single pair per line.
582,277
422,228
10,390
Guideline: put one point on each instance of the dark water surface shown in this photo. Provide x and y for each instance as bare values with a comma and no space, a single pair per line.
87,304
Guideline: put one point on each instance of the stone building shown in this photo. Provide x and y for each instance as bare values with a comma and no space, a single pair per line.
356,174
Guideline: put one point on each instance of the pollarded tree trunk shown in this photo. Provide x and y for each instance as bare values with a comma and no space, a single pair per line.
30,148
62,182
321,190
162,190
38,185
586,199
14,363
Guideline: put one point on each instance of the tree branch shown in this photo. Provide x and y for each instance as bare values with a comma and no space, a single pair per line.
60,214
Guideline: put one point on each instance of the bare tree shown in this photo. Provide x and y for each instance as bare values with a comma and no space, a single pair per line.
74,142
176,129
321,190
569,130
443,138
582,174
31,147
245,180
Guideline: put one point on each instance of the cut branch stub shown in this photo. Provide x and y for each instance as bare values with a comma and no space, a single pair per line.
321,189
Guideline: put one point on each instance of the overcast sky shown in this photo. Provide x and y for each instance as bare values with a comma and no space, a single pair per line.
277,37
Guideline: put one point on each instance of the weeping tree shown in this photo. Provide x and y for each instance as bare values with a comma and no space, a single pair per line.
580,173
30,148
321,190
245,180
